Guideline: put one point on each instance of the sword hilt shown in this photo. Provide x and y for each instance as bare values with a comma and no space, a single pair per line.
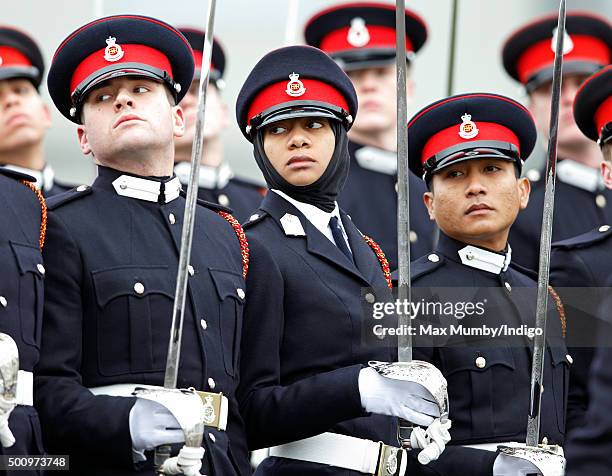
404,431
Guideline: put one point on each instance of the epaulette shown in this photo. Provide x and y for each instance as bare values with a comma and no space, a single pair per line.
60,199
526,271
258,186
254,218
210,205
594,236
422,266
16,175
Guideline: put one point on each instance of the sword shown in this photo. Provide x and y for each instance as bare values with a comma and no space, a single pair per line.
292,22
178,310
404,293
537,367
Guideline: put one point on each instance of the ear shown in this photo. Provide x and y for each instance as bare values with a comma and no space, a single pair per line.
606,172
178,121
428,200
83,141
524,189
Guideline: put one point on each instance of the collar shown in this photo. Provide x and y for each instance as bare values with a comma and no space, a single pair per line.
150,189
319,218
475,256
377,160
579,175
212,178
44,178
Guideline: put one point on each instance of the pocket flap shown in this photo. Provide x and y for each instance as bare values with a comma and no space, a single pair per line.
228,284
476,359
139,281
29,258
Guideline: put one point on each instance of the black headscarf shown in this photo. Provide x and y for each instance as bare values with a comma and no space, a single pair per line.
323,192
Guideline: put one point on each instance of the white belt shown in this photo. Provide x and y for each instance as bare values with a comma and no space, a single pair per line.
25,384
348,452
218,401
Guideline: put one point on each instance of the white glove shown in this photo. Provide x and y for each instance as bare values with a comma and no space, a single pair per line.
188,462
6,435
399,398
432,440
152,425
521,461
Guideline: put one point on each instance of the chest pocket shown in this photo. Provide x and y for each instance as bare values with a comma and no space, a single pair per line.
560,378
30,299
231,292
482,391
133,318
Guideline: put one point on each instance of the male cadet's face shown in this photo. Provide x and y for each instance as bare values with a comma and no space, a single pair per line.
24,117
217,117
299,149
539,105
377,96
128,114
477,200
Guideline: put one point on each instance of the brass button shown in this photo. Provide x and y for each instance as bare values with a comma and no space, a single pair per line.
481,362
469,255
254,217
190,270
604,228
224,200
203,324
139,288
172,219
240,293
508,287
369,297
601,201
82,188
569,359
211,383
434,258
413,236
212,437
40,268
3,301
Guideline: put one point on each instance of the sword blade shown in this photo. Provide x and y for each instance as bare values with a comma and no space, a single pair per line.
537,367
178,311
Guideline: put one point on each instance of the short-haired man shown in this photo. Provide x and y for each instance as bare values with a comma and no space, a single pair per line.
24,116
113,253
217,182
361,38
581,200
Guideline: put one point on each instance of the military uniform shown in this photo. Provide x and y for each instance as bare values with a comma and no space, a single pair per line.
114,251
488,377
361,36
581,201
219,184
21,300
44,180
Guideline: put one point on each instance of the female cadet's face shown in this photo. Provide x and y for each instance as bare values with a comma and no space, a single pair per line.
299,149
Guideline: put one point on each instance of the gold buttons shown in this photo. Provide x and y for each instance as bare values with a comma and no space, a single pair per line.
604,228
211,383
82,188
569,359
40,268
190,270
413,236
600,201
3,301
172,219
139,288
224,200
469,255
434,258
369,297
240,293
480,362
508,287
203,324
212,437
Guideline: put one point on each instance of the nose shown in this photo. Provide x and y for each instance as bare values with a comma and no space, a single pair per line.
123,99
9,99
368,81
475,186
298,138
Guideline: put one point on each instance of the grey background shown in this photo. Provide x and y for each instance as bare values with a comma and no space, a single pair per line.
249,29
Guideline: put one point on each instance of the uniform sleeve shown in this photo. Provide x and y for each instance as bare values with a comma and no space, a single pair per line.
274,413
574,282
73,419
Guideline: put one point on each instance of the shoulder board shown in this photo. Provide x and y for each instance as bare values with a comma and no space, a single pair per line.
594,236
16,175
60,199
255,218
210,205
526,271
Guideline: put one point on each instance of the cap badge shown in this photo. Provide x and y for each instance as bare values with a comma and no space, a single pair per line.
467,129
358,34
112,52
568,44
295,87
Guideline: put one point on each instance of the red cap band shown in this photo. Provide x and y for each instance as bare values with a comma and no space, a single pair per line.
132,53
541,55
450,136
10,56
197,57
275,94
603,115
380,36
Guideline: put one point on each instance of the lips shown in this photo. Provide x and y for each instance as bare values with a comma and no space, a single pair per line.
20,117
298,160
125,118
478,207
